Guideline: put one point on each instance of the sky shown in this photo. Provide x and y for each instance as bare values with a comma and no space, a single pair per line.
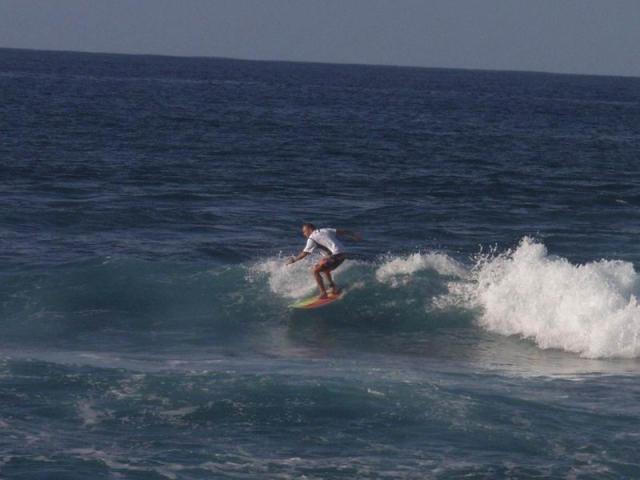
567,36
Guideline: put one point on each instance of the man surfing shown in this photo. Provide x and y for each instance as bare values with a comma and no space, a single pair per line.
326,240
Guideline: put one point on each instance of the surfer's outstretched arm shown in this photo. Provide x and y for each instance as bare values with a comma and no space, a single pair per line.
300,256
348,234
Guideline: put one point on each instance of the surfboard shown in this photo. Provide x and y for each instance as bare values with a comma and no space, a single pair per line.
316,302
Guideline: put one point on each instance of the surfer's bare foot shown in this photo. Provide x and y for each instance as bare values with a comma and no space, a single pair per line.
335,290
323,295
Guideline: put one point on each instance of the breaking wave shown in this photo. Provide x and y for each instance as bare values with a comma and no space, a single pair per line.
589,309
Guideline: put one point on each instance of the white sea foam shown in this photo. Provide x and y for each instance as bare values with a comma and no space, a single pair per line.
290,281
589,309
87,413
398,271
296,280
120,463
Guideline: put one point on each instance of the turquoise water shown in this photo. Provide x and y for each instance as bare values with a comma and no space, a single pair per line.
490,327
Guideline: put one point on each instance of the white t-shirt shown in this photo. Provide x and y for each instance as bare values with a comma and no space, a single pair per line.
326,240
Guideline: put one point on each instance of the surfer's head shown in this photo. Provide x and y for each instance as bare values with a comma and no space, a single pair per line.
307,229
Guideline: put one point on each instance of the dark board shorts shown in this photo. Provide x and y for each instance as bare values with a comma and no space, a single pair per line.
334,261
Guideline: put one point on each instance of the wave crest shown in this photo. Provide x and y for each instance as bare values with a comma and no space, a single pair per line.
290,281
589,309
397,271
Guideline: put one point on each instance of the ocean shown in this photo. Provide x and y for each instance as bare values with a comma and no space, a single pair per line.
490,327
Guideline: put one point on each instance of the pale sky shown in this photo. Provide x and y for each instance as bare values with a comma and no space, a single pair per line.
572,36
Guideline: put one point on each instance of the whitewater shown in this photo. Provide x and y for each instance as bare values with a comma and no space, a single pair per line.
589,309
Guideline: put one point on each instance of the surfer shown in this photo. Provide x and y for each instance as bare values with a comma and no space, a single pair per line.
326,240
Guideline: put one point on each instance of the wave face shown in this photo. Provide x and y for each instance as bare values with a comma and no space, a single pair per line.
126,297
590,309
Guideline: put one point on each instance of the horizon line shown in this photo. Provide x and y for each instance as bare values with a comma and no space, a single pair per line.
317,62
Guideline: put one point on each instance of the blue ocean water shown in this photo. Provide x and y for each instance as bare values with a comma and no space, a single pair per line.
490,328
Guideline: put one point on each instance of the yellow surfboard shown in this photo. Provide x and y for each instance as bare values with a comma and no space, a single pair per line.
316,301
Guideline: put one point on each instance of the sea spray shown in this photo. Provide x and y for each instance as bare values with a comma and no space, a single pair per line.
393,291
589,309
398,270
288,281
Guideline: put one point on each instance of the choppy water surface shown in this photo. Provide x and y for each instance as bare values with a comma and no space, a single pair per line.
490,328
